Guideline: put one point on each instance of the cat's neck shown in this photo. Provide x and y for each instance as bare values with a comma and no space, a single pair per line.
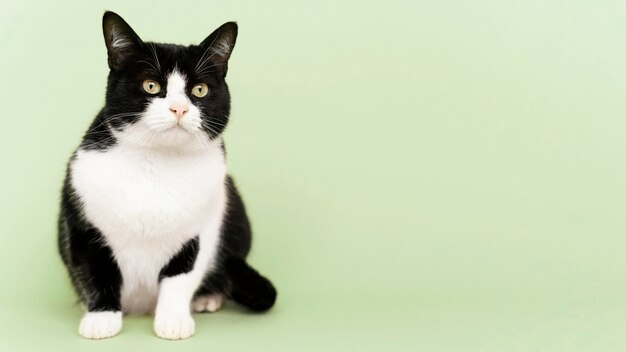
197,148
192,147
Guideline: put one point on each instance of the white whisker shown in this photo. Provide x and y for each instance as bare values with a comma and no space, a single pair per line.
199,65
156,57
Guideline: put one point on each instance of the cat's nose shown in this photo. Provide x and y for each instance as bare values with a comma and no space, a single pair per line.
179,109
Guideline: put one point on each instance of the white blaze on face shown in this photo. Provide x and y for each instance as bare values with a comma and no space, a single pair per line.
170,120
176,98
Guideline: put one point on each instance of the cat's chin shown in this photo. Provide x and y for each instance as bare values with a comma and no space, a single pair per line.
171,137
175,136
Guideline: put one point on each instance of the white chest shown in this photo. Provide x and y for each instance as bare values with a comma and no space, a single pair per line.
147,205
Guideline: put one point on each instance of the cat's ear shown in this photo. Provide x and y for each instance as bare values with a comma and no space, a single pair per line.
121,41
221,42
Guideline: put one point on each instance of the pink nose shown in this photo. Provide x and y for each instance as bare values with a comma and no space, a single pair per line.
179,109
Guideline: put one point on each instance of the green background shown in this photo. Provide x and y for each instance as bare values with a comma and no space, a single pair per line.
421,175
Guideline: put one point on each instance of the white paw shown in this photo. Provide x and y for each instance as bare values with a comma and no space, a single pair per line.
100,325
208,303
174,327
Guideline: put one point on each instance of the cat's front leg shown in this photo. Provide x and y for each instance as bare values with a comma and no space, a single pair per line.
173,320
183,275
179,281
97,275
100,325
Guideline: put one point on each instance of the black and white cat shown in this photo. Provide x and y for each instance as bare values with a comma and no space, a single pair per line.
150,221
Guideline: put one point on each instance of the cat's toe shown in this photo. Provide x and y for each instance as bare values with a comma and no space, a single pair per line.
208,303
174,327
100,325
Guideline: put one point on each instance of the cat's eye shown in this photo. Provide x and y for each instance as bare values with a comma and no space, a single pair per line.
152,87
200,90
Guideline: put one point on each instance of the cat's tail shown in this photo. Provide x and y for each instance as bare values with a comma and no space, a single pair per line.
248,287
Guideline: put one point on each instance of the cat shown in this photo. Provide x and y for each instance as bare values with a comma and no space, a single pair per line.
150,221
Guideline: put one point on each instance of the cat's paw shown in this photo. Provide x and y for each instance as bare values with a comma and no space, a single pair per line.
100,325
174,327
208,303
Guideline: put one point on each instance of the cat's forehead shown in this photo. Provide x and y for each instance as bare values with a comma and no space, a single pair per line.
165,59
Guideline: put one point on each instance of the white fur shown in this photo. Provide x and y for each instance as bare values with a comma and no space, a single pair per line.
174,327
158,118
160,186
176,292
118,40
208,303
221,47
100,325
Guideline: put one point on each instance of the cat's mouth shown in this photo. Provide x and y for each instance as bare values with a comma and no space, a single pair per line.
177,132
177,127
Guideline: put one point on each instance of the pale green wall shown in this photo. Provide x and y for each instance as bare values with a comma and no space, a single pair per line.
421,175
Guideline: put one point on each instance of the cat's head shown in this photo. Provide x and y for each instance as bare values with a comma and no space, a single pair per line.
164,94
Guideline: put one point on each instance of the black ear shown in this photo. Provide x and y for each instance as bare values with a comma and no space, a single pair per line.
121,41
219,45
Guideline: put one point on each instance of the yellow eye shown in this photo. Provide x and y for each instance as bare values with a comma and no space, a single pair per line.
200,90
152,87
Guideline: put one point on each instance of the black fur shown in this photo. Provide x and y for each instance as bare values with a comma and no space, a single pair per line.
90,263
125,97
93,270
234,277
183,261
248,287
